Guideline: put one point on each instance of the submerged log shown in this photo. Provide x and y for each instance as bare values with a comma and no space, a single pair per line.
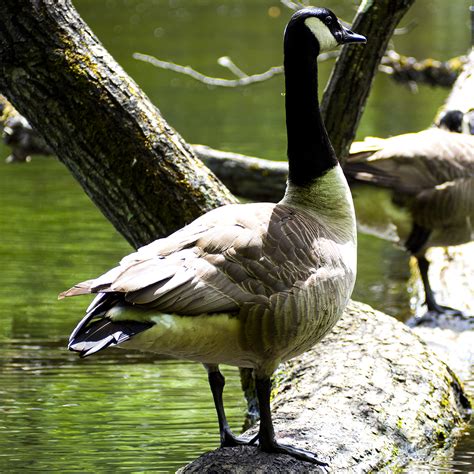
390,398
246,176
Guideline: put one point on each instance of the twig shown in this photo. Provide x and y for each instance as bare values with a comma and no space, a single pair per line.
212,81
243,79
225,61
403,69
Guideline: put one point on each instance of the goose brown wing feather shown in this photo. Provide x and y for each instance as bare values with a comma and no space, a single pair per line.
445,205
413,162
229,257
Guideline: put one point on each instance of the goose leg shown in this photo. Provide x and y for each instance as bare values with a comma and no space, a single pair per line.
430,300
217,382
266,432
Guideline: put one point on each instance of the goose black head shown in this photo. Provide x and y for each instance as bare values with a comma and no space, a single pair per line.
324,28
452,121
457,121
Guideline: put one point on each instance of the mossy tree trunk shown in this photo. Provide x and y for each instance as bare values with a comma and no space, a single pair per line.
131,163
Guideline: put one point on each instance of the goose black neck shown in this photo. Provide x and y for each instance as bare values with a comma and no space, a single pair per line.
310,153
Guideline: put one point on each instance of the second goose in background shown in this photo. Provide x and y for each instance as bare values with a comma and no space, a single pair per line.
417,190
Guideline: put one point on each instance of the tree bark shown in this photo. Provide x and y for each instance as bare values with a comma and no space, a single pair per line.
132,164
349,86
462,95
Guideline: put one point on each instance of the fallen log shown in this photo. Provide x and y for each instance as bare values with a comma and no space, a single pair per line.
253,178
391,399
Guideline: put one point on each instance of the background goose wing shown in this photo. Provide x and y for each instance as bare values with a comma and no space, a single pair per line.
448,204
412,162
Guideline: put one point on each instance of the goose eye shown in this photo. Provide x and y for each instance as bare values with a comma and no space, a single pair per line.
328,20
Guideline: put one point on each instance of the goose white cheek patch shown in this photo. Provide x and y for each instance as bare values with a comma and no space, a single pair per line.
326,40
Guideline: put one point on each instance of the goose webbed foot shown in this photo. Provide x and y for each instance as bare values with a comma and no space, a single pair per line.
266,433
298,453
434,310
435,314
438,309
228,439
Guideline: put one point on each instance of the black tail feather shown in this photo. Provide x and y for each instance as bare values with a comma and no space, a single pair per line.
97,309
96,331
103,333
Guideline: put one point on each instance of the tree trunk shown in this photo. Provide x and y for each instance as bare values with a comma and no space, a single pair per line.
132,164
246,176
347,91
462,95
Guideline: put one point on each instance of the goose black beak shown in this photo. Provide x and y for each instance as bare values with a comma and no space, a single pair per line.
347,36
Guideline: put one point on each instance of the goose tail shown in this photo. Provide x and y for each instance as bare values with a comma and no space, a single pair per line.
104,333
96,331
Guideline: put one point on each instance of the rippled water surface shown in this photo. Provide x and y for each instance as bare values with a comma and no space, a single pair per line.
127,412
117,411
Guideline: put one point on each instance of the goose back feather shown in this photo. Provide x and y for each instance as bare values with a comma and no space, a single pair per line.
429,182
250,261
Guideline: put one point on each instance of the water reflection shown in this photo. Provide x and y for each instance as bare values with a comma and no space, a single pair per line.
114,412
123,411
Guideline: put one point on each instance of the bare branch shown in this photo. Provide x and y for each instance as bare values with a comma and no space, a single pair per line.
226,62
243,78
212,81
403,69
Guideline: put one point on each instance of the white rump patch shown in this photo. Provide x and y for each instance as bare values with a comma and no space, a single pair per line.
326,40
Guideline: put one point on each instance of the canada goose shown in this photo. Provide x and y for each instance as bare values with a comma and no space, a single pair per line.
249,285
18,134
417,190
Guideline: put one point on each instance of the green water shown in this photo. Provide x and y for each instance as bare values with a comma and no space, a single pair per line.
127,412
